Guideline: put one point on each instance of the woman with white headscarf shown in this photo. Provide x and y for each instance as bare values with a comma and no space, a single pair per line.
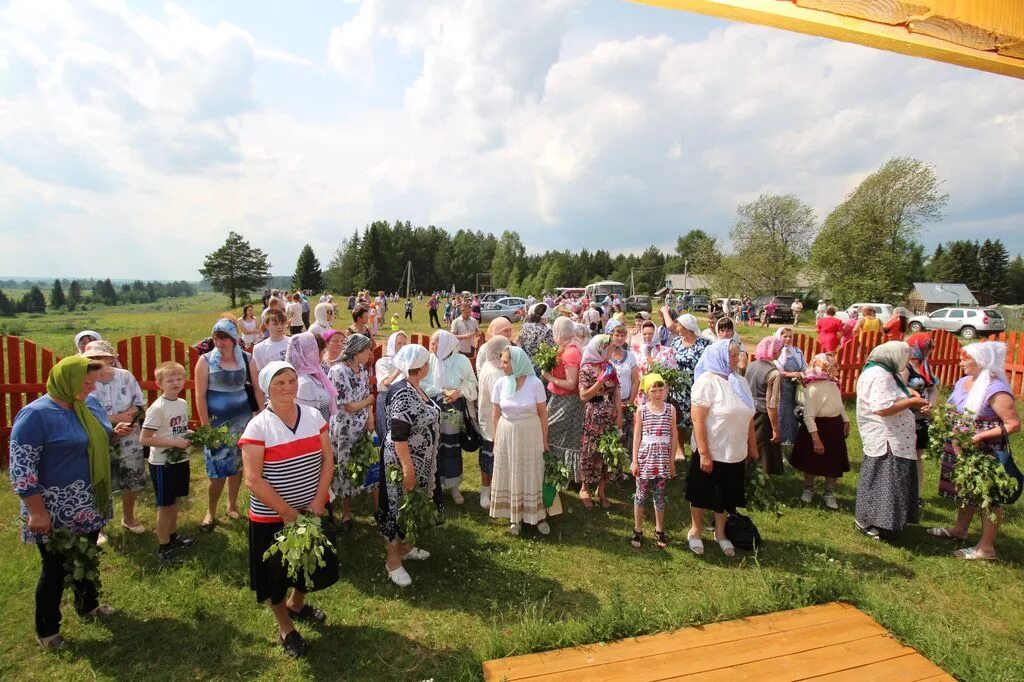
791,365
352,416
84,338
385,372
723,440
451,383
323,316
412,440
687,346
489,374
985,392
887,492
499,326
599,391
519,419
565,409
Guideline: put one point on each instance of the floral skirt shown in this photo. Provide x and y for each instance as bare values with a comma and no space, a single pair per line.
887,494
598,418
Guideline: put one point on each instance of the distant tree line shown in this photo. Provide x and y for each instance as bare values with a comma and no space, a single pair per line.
68,295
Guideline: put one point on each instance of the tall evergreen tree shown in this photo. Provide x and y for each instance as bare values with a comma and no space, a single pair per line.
1015,280
57,298
74,294
308,274
236,268
33,301
994,270
8,307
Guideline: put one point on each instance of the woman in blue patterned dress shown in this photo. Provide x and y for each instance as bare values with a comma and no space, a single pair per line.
221,398
687,347
791,364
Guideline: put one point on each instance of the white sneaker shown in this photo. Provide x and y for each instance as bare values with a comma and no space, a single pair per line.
807,496
101,540
485,497
457,496
830,500
543,528
416,554
399,576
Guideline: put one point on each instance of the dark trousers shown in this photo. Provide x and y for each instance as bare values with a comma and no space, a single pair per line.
408,314
50,590
433,319
305,319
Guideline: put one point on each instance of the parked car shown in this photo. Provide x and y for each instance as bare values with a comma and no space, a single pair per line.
492,296
783,308
512,308
967,322
637,304
695,302
883,311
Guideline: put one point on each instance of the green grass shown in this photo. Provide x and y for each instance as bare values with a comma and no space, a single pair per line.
484,594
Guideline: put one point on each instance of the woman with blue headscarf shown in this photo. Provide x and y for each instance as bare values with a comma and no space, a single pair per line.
722,409
519,419
222,399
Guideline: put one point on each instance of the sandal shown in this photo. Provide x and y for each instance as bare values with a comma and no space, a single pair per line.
944,534
696,544
136,528
973,554
586,500
293,644
661,538
207,526
232,514
637,540
728,549
309,614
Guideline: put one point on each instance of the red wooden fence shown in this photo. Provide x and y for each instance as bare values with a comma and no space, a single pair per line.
24,366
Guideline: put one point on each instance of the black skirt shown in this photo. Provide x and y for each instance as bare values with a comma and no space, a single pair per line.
722,490
269,578
768,452
832,463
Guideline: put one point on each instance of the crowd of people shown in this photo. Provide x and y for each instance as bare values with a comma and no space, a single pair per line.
300,394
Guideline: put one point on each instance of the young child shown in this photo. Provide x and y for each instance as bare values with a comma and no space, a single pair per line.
274,347
654,446
373,319
408,309
164,427
395,323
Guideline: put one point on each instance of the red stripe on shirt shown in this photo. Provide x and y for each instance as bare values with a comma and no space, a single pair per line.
295,448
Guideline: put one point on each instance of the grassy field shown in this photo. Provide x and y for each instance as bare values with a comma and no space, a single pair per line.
484,594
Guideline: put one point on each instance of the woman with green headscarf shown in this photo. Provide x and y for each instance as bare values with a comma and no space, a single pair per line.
887,493
60,468
519,421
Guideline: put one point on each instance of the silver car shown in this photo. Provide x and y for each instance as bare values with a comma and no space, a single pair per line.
512,308
967,322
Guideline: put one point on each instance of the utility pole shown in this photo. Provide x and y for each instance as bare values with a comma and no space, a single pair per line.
632,284
686,277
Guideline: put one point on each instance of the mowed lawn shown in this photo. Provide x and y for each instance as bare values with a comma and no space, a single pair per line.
484,594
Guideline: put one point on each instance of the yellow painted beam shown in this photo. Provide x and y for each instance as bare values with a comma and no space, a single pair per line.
788,16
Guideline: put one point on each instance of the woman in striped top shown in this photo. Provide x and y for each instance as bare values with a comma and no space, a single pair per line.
288,467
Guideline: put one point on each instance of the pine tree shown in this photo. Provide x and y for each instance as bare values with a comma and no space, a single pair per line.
8,309
993,270
236,268
57,298
1015,280
74,294
33,301
308,275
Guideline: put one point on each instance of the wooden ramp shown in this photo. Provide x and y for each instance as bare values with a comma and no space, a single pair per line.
830,642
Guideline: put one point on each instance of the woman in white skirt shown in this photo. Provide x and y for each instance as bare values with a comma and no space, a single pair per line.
519,419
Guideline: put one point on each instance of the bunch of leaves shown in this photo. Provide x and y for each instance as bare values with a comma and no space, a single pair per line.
363,456
677,382
556,472
979,478
762,491
302,545
139,416
203,437
80,556
611,449
417,513
546,357
450,415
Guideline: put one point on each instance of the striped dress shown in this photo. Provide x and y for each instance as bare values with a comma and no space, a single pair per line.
655,453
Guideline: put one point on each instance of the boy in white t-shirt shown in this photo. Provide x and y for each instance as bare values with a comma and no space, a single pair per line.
273,348
165,426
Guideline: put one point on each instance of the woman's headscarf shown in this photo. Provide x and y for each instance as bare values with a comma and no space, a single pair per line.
411,356
537,310
521,367
268,373
389,350
303,354
580,335
596,353
649,380
563,330
892,356
789,351
446,345
820,368
86,332
768,348
920,345
227,326
991,357
715,359
612,324
66,379
355,344
320,313
688,321
493,349
328,334
498,327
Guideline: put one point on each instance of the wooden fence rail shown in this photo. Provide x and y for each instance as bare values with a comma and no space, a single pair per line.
24,366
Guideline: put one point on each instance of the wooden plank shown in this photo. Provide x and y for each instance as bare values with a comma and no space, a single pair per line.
14,373
959,32
911,667
31,369
136,355
788,16
149,364
520,667
892,12
6,419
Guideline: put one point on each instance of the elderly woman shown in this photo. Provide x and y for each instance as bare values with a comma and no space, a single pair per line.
519,418
918,377
60,468
412,440
222,399
334,343
450,382
288,467
649,351
535,332
498,327
352,417
723,440
985,392
791,365
887,492
121,397
323,315
565,409
820,448
315,389
84,338
599,391
764,380
725,330
687,346
829,330
628,374
488,376
385,373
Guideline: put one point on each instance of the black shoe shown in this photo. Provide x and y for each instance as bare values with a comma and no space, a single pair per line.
169,554
178,540
293,644
309,614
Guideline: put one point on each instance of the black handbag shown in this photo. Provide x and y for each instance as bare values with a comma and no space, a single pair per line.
742,532
470,438
250,393
1005,458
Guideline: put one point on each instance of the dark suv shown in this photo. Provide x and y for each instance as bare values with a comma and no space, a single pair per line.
696,302
783,308
637,304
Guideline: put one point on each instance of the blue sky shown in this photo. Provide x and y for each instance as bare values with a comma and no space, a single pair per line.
135,135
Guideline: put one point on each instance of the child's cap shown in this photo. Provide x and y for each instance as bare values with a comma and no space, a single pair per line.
649,380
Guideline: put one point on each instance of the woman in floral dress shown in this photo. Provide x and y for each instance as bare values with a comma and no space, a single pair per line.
535,332
353,418
687,347
599,390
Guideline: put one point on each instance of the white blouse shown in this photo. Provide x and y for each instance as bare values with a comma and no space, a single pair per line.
728,420
877,390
